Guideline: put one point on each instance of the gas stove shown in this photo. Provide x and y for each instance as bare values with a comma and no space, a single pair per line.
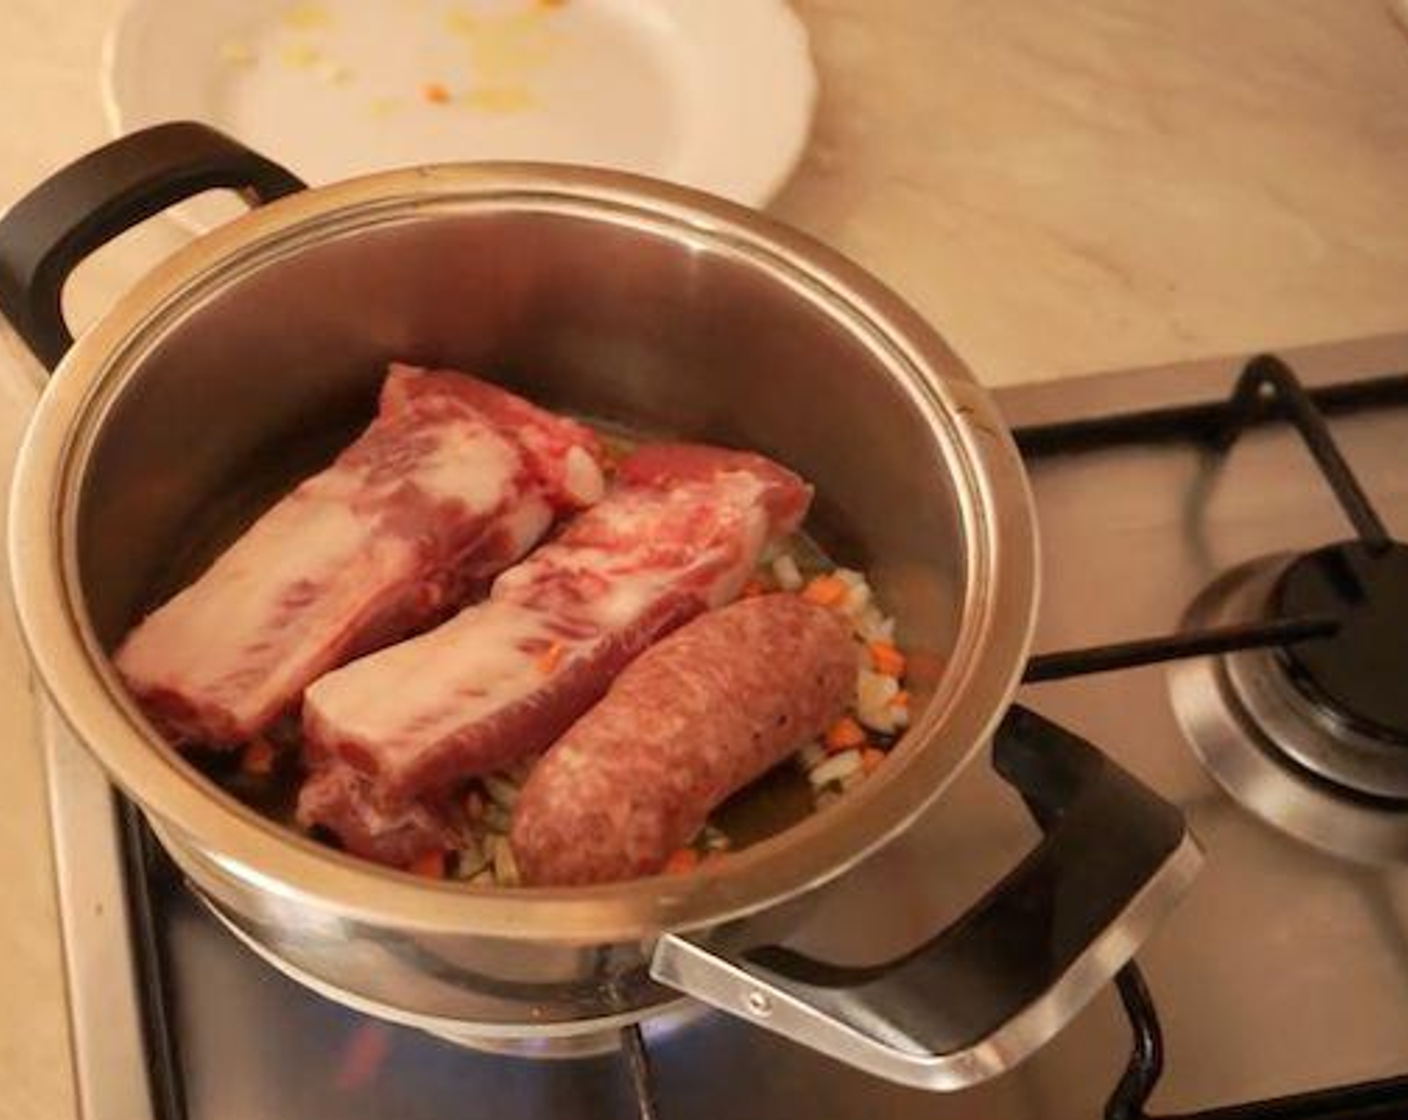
1224,614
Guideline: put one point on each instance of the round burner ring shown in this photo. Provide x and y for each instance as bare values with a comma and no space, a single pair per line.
1263,773
1358,677
1353,763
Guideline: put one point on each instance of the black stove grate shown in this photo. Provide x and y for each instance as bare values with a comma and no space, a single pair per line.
1267,390
1385,1099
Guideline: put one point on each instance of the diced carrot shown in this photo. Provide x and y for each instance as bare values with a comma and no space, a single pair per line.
682,861
842,735
900,699
825,591
753,588
435,93
258,757
870,759
886,659
550,657
430,865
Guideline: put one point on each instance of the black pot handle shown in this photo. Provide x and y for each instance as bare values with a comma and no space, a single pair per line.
49,231
988,990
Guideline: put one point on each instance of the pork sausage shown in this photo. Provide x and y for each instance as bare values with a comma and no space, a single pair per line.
701,714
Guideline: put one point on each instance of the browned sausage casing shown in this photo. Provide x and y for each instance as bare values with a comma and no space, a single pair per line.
701,714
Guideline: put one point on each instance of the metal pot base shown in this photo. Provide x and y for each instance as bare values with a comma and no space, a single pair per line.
586,1038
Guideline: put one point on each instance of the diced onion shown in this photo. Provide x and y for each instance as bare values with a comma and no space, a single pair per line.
711,839
873,626
503,792
874,691
505,866
787,574
472,860
835,769
495,818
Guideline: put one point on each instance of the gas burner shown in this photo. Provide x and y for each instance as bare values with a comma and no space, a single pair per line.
1356,678
1311,736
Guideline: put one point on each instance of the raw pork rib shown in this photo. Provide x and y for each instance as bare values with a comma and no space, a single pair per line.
679,533
453,481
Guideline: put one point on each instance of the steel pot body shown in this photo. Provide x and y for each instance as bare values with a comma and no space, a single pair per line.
225,372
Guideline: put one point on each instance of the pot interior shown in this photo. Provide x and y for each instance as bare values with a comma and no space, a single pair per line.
643,324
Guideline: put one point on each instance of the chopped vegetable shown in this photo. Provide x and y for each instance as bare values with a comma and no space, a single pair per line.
787,574
495,819
472,859
900,699
503,792
505,866
835,769
873,626
870,759
548,661
258,757
682,861
435,93
712,840
842,735
886,659
825,591
429,865
874,691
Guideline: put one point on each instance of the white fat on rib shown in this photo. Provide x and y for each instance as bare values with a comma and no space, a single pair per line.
415,696
268,614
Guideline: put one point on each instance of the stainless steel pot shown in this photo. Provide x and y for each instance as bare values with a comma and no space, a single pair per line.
199,393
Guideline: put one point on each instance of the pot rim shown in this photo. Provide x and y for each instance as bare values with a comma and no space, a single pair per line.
236,844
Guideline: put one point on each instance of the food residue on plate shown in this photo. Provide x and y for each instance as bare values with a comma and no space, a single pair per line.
306,17
236,52
503,49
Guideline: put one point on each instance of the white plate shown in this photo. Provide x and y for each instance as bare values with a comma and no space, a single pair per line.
715,94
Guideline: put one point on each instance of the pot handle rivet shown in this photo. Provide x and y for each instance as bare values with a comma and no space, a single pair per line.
758,1004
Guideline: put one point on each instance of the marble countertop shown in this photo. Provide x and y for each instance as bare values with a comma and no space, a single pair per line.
1060,188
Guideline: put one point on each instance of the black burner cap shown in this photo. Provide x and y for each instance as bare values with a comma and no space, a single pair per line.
1360,674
